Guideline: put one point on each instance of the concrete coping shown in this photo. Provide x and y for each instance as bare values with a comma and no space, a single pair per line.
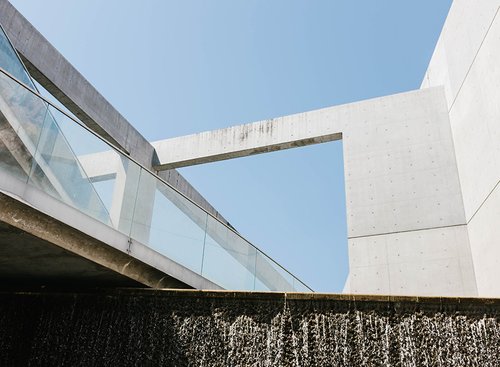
391,304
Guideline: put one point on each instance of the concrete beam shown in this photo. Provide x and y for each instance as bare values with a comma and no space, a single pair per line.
48,235
243,140
403,140
174,178
100,166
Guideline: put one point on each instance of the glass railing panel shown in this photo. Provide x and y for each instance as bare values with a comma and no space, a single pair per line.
24,110
228,260
56,154
10,62
270,276
106,174
57,170
298,286
22,116
169,223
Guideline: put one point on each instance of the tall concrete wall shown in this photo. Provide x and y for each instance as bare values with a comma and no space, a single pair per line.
405,214
466,62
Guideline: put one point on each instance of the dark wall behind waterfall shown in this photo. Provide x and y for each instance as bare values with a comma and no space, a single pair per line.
195,328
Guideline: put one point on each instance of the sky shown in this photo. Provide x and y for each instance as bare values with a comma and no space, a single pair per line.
180,67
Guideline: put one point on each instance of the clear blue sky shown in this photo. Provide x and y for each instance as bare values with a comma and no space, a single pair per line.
180,67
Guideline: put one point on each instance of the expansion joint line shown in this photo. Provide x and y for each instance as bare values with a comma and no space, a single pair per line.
474,60
406,231
484,201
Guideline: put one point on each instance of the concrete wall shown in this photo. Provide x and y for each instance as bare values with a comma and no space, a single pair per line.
405,214
422,170
404,207
467,63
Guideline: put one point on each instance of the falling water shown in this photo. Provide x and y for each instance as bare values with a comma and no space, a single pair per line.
132,328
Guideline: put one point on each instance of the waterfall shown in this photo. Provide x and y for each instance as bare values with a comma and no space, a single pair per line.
179,328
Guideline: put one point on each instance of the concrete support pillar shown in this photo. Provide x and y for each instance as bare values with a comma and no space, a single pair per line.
133,194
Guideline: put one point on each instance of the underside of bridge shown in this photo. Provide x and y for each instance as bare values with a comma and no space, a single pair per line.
37,250
28,261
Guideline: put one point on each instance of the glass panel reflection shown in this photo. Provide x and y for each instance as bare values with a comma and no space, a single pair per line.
58,172
270,276
228,259
169,223
22,116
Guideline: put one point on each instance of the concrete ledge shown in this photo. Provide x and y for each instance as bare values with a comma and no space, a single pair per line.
356,300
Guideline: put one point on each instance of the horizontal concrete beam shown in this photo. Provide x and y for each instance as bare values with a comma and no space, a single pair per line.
50,234
286,132
100,166
241,141
307,128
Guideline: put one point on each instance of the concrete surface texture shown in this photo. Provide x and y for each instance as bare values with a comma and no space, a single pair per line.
404,205
405,215
467,63
44,198
40,239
